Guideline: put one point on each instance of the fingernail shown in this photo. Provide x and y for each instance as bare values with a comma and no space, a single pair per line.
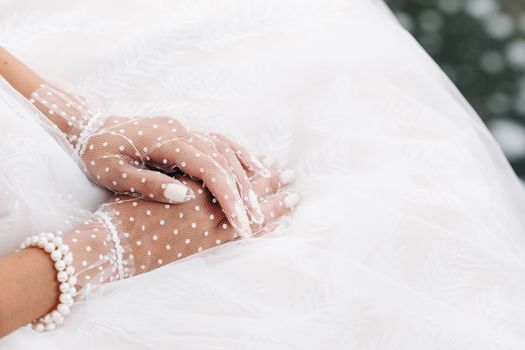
287,177
257,215
257,163
178,193
268,162
291,200
253,200
261,169
244,222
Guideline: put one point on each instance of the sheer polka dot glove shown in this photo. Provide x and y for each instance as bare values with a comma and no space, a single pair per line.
136,155
130,236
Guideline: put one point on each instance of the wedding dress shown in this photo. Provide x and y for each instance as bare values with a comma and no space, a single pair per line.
411,234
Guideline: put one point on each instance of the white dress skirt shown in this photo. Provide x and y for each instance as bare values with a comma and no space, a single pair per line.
411,234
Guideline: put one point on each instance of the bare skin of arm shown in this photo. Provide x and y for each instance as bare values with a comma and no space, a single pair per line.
26,81
28,283
18,75
29,288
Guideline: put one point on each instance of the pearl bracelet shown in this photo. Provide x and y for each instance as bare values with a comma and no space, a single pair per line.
63,258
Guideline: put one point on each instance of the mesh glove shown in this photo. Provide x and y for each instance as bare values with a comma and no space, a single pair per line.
136,155
129,236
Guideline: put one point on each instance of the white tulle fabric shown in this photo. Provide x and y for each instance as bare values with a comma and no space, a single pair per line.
411,230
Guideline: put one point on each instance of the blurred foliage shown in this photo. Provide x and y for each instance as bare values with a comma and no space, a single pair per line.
480,44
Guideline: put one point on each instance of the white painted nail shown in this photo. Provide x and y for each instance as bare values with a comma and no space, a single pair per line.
287,177
254,201
291,200
257,163
242,218
177,193
268,162
256,213
260,168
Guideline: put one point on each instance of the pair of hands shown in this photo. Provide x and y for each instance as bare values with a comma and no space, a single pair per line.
179,191
121,153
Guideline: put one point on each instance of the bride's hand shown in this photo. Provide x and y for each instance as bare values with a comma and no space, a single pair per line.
133,155
122,153
130,236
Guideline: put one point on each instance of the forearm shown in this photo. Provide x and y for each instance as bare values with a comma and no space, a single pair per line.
28,287
67,112
18,75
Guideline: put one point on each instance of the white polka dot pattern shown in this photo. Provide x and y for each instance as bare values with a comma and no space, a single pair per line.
135,155
130,236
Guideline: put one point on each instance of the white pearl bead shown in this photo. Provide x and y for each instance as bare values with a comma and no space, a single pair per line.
62,276
64,287
68,259
66,299
42,242
49,247
72,281
63,248
57,317
60,265
59,320
57,241
63,309
48,319
63,258
56,255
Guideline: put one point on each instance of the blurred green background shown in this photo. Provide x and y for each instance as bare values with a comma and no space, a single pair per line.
480,44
